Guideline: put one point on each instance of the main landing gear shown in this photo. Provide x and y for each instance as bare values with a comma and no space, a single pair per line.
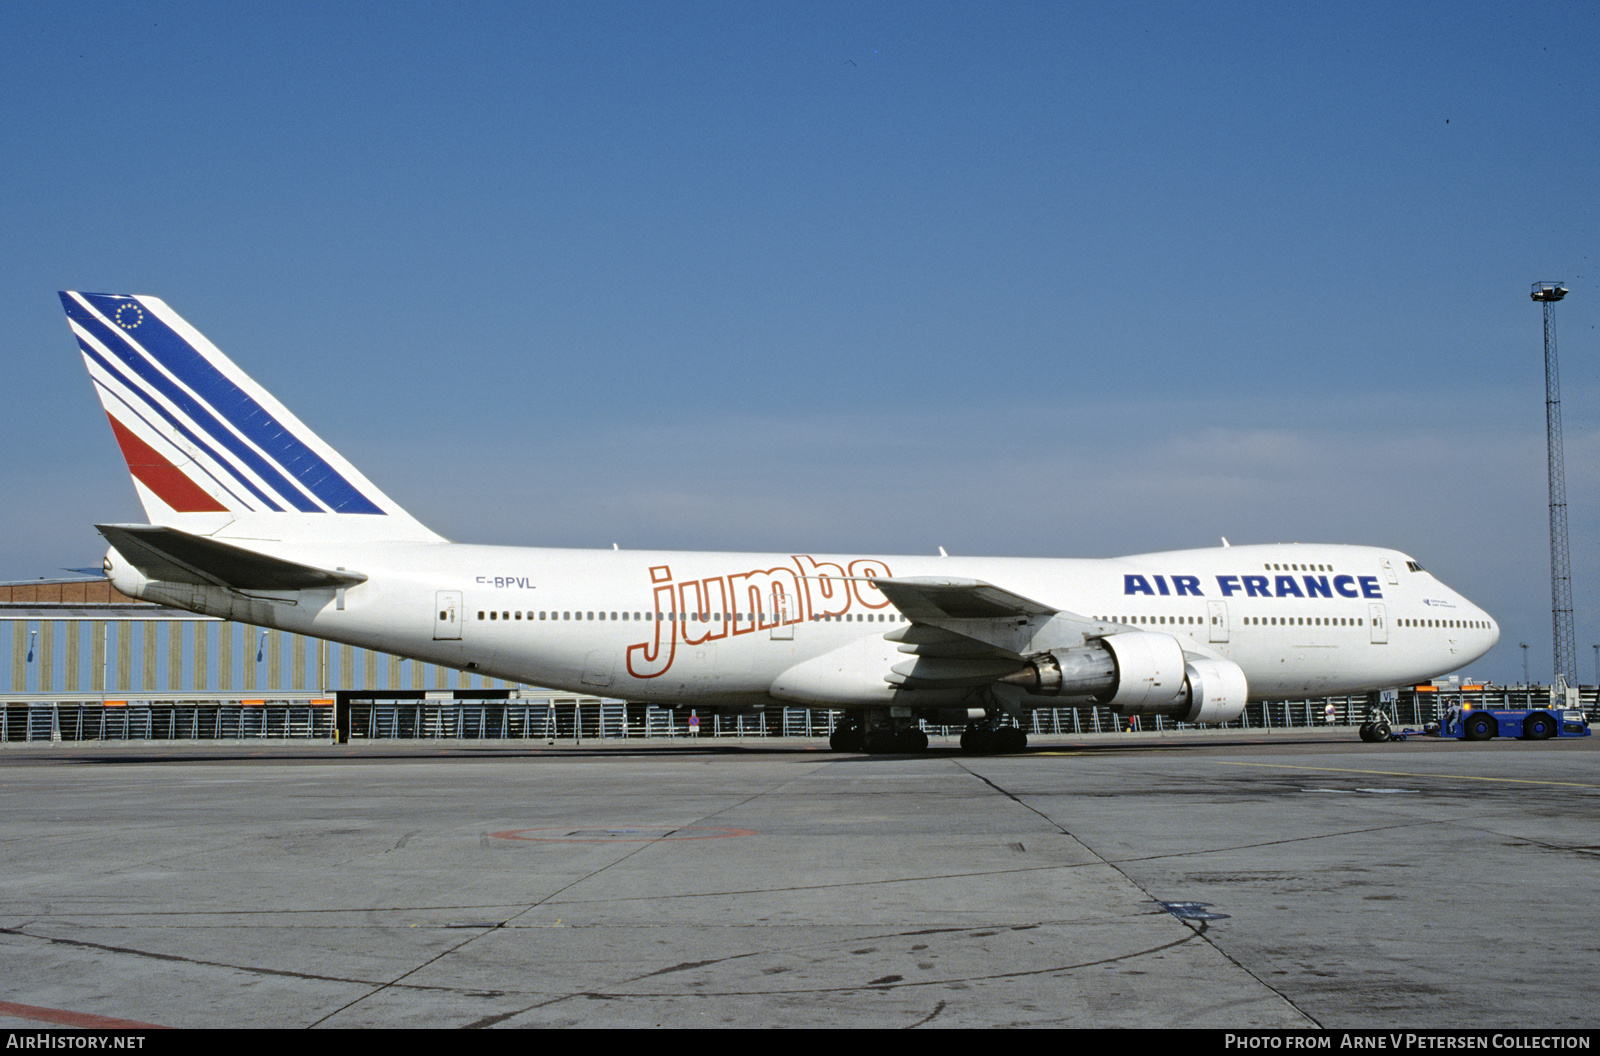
903,737
988,738
894,737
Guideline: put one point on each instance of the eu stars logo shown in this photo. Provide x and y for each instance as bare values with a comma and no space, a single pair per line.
129,316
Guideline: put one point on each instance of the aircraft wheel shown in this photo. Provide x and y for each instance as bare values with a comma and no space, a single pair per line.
1369,733
1539,728
879,741
977,741
846,739
911,740
1010,739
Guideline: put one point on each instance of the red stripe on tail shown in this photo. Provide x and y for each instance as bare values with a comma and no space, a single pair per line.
169,483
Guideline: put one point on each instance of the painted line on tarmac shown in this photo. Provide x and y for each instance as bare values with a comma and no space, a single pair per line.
1406,773
635,834
65,1018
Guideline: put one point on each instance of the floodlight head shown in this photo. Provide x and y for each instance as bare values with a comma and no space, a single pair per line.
1548,291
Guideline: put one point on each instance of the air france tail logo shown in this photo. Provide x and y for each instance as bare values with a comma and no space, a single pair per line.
1255,586
202,437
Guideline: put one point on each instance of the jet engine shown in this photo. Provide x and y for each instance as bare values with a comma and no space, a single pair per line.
1139,673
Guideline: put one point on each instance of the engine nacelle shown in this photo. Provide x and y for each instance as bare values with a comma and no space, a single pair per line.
1139,673
1126,671
1216,691
1150,672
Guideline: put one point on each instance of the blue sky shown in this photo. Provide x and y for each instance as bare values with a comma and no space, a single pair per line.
1041,279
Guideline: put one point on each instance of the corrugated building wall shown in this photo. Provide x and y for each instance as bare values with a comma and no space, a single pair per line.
82,638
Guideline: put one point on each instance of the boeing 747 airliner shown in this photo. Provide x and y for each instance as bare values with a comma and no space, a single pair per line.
254,518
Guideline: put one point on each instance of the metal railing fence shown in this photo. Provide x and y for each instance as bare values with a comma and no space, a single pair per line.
580,719
164,721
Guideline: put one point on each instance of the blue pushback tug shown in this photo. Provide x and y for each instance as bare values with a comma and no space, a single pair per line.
1533,724
1467,723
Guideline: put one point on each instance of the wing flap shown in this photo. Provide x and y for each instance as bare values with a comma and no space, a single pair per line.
926,597
925,672
969,633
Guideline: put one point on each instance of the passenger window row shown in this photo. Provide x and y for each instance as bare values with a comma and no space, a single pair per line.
894,617
1299,621
1304,621
571,614
1262,621
1478,625
1190,620
699,617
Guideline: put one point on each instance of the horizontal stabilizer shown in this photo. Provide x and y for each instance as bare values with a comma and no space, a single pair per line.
178,557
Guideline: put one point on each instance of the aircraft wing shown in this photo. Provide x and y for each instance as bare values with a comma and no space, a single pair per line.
965,632
932,598
168,554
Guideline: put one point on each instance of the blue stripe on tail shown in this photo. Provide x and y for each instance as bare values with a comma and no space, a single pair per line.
233,404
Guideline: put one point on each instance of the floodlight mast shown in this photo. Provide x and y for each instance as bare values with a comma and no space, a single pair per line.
1566,649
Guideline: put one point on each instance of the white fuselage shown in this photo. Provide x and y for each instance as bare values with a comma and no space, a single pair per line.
253,517
719,628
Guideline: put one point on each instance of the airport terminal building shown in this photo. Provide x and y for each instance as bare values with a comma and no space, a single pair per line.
87,663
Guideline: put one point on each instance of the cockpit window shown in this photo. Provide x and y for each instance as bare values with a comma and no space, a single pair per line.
1413,566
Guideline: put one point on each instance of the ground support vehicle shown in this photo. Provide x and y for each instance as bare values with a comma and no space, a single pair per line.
1483,724
1532,724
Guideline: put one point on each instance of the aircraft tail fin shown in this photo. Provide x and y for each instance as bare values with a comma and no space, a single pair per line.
211,451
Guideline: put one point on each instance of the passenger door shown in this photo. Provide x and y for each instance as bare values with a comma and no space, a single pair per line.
447,616
782,612
1217,617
